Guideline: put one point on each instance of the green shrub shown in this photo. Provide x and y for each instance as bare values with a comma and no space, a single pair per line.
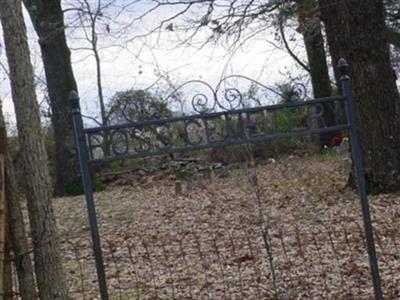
136,105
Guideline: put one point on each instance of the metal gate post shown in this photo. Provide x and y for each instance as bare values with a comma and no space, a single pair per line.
87,185
359,176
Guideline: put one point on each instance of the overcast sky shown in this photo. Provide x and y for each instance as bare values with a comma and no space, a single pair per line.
136,64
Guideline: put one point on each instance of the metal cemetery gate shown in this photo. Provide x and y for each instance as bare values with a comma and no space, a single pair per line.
239,123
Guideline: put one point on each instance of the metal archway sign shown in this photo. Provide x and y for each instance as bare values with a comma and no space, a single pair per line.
237,122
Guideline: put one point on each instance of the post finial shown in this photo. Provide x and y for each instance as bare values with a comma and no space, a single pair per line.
343,66
74,100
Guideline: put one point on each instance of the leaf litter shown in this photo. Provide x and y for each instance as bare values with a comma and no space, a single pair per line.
207,243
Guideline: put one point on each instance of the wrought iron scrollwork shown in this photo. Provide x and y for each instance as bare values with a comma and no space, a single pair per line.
300,92
203,100
215,129
231,96
200,103
221,116
230,93
129,110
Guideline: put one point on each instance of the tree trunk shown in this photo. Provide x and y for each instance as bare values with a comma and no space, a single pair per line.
356,31
5,263
22,260
47,18
48,267
310,27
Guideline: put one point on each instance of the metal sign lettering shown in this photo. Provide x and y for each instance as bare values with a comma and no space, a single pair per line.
239,126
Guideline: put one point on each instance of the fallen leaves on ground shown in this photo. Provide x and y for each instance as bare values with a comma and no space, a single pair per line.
208,243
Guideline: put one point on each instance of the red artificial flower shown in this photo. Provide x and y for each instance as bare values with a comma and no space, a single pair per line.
336,140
